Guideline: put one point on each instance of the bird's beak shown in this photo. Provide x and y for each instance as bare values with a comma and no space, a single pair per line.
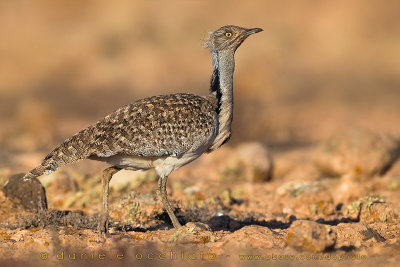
253,30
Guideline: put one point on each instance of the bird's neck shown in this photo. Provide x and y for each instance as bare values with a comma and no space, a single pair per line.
222,87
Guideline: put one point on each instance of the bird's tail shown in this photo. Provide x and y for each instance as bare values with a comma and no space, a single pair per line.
71,150
36,172
49,164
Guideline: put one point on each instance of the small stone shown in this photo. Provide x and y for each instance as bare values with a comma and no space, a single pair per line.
253,237
371,209
197,226
258,161
310,236
377,211
305,198
193,232
30,194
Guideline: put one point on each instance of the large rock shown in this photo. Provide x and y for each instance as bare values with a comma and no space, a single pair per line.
30,194
310,236
357,151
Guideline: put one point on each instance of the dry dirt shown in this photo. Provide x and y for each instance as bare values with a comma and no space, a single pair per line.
230,208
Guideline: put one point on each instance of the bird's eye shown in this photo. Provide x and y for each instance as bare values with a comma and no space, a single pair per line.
228,34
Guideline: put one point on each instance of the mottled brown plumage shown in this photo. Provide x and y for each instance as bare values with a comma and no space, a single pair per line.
153,127
161,132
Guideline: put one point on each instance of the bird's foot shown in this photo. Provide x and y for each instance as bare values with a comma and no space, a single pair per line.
103,226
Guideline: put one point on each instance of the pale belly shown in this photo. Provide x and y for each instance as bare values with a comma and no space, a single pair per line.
163,165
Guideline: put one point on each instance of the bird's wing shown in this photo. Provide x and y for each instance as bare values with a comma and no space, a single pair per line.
156,126
151,127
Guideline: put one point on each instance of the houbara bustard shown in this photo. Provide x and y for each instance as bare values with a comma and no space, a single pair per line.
161,132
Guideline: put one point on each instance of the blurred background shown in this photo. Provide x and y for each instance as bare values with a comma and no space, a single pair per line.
318,68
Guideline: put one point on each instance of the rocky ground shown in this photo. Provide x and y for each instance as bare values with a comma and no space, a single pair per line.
311,191
334,203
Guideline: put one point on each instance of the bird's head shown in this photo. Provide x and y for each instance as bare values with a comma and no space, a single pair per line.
228,37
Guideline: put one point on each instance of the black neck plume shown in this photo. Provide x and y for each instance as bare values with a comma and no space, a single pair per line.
215,87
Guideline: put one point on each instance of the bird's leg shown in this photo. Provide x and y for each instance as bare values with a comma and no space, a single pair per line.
107,175
162,192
